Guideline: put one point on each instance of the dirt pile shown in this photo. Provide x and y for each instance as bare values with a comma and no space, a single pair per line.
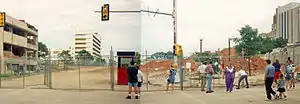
257,64
163,65
297,69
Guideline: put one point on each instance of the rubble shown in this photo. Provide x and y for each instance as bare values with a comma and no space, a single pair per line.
257,65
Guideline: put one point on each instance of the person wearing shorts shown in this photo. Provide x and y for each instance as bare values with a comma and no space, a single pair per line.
277,70
140,79
288,77
132,72
281,88
171,78
293,84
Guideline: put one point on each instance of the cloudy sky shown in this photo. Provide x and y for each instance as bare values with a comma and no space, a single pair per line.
213,20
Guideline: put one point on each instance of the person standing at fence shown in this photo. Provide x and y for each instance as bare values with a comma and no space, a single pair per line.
140,79
171,78
202,74
132,72
209,73
229,74
243,75
269,79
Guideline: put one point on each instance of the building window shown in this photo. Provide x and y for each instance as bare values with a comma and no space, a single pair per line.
80,43
80,47
80,38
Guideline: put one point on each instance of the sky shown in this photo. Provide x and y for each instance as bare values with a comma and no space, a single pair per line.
212,20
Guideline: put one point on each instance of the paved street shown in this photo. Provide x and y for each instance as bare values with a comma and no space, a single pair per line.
254,95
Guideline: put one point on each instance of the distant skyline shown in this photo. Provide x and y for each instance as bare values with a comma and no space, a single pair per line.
214,21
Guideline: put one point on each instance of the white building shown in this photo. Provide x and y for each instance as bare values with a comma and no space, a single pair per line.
89,42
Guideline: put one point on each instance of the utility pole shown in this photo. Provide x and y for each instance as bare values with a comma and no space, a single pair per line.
229,50
243,62
201,45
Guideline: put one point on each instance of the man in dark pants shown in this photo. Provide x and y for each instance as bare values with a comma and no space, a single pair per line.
132,72
243,75
269,78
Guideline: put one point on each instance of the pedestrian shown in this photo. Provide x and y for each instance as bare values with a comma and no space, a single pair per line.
293,84
171,78
243,75
132,72
209,73
202,74
277,70
288,77
290,61
229,74
281,88
140,79
269,79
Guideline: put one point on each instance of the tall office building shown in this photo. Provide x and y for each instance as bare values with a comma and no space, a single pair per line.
288,22
90,42
288,27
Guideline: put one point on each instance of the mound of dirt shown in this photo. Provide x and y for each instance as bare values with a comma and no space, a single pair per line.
257,64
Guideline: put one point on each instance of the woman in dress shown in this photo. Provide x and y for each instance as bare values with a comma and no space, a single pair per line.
229,74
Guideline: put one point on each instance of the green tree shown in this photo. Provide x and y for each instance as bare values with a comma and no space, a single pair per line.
101,61
208,57
42,50
255,43
249,40
137,58
65,56
84,56
162,55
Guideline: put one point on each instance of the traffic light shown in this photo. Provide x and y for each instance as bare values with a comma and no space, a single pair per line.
2,19
174,50
105,12
178,49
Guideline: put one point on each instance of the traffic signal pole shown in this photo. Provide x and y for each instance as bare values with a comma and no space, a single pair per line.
173,14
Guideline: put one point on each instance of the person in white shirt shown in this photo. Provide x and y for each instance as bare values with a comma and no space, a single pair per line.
201,70
243,75
140,76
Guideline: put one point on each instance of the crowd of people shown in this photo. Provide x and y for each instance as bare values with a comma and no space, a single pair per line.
275,76
284,79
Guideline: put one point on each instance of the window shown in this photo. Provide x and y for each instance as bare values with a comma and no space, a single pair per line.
80,47
80,38
80,43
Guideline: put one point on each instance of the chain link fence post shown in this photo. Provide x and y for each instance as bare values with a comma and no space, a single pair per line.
50,71
147,73
79,71
1,72
112,71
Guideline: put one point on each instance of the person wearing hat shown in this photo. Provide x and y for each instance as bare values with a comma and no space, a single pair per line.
171,78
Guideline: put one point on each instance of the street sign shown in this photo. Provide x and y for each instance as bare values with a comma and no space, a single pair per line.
188,65
21,62
2,19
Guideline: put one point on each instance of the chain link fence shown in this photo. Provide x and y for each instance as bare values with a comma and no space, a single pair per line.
101,73
20,73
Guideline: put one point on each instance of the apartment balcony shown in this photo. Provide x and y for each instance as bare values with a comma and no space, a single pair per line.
18,61
14,39
10,20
